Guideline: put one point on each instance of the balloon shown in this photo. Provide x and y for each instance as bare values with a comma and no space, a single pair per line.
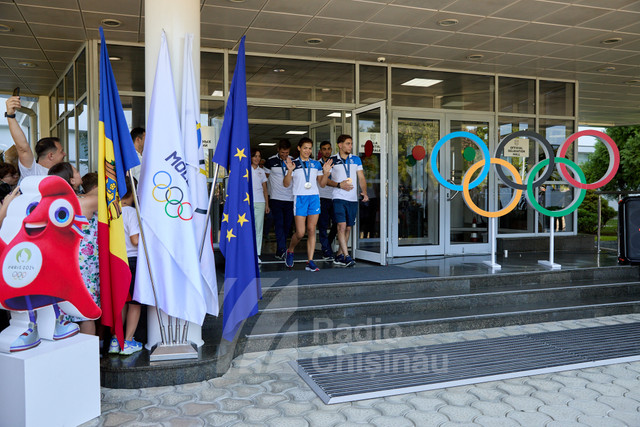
418,152
368,148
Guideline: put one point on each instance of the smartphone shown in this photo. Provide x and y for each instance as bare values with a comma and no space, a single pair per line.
16,91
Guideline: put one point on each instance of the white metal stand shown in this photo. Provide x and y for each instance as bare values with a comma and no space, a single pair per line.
181,347
493,237
549,263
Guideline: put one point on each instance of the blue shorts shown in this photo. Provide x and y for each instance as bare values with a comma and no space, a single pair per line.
306,205
345,211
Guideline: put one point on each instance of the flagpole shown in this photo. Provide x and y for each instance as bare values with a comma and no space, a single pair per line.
185,330
213,189
146,255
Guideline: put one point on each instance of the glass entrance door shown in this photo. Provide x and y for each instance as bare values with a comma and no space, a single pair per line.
428,218
416,205
466,231
369,132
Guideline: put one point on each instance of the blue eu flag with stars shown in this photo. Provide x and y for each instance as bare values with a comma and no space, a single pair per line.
242,289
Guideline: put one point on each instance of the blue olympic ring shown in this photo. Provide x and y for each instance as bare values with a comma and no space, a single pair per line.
158,185
461,134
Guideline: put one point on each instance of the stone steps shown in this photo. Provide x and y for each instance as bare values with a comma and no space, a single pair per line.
298,316
294,316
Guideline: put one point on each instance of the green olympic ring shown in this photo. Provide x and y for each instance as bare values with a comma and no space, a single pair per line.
572,206
167,205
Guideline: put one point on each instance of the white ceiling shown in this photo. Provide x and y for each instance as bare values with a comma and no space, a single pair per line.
556,39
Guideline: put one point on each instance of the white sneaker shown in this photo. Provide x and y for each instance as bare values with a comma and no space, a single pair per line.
131,347
114,346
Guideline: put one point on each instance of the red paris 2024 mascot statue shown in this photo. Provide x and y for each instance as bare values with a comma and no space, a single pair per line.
39,242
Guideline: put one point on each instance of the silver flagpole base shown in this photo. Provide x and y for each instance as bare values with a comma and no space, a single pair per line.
164,352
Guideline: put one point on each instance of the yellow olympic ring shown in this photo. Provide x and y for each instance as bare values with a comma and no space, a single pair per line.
153,193
467,197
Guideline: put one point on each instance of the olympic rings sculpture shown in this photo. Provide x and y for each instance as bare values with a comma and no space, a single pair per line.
168,201
530,183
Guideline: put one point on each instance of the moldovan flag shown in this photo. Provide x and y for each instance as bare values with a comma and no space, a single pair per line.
116,154
197,176
242,288
166,209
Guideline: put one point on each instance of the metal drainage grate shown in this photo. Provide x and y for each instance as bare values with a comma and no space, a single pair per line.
375,374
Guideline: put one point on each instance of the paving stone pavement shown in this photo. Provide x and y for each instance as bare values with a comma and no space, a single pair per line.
262,390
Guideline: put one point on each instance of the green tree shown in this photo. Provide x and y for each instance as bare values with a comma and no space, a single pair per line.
588,213
627,138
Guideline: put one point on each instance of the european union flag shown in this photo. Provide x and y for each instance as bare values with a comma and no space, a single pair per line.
242,289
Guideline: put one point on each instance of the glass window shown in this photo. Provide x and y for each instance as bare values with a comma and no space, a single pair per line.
516,95
68,87
211,74
211,110
53,107
61,134
60,99
129,69
557,131
278,113
281,78
556,194
437,89
71,139
81,74
82,135
373,84
557,98
522,218
133,107
335,115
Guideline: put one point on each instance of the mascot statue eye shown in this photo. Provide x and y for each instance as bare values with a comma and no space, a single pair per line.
31,207
61,213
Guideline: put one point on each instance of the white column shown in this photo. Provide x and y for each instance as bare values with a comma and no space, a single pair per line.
176,18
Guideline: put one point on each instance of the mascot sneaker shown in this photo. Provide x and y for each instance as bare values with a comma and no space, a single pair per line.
27,340
64,329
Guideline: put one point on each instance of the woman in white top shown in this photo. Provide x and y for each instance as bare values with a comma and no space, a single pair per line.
260,196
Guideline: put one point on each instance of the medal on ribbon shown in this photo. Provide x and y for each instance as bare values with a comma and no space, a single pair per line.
307,174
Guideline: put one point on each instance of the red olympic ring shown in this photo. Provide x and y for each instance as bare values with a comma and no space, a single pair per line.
181,207
614,159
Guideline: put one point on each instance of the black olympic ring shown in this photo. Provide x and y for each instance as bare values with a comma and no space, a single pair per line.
167,194
548,148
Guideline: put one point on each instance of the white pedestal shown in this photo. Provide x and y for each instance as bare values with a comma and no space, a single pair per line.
54,384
